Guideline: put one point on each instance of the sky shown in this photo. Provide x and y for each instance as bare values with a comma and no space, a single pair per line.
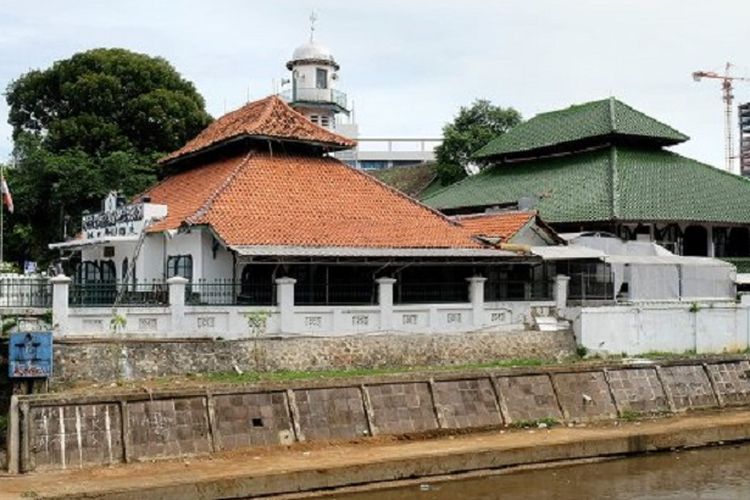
409,65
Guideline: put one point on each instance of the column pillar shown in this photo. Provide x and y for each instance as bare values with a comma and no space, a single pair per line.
385,301
285,302
561,291
476,296
60,306
177,285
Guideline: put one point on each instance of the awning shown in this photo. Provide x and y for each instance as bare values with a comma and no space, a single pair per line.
82,243
299,251
569,252
663,260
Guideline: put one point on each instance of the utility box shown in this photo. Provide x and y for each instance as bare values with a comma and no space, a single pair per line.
30,355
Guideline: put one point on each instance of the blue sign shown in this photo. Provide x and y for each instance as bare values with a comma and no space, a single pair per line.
30,355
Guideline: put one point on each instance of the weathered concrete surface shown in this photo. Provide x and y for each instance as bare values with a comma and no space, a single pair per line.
305,468
64,430
105,360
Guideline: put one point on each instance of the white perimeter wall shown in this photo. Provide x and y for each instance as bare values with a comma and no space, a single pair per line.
675,327
231,322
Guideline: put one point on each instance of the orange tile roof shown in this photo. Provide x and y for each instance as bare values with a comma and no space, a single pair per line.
503,225
295,200
267,118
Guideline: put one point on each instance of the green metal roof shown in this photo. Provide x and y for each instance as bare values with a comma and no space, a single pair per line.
610,183
608,118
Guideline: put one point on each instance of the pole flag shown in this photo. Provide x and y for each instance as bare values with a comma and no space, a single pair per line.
7,198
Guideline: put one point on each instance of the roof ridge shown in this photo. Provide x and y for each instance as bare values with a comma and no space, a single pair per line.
614,184
206,206
263,116
612,119
631,108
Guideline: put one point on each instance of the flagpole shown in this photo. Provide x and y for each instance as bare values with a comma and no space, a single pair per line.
2,219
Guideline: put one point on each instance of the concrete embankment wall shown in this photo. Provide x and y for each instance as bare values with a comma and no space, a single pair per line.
65,431
107,359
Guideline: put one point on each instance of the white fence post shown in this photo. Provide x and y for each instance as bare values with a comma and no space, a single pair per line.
177,285
60,307
476,296
385,301
285,301
561,291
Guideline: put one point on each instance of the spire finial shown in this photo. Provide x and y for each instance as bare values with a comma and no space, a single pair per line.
313,18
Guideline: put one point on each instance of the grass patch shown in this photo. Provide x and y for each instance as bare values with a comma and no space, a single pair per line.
527,424
288,375
630,416
668,355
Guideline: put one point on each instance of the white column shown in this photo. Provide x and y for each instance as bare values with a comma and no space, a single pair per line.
710,242
177,286
385,301
476,296
285,302
60,307
561,291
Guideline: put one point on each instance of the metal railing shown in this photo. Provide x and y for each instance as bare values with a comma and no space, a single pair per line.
336,294
518,290
229,293
308,94
429,293
591,287
104,294
25,292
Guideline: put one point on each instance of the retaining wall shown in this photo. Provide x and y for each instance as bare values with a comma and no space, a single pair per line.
109,359
56,431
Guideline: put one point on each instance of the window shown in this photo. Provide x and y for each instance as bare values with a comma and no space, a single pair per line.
180,265
109,275
325,121
315,119
321,78
87,272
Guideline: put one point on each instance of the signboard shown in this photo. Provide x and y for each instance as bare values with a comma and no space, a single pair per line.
30,355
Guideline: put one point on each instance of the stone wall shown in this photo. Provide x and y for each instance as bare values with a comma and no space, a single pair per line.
53,431
105,360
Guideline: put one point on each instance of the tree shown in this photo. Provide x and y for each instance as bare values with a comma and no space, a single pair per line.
473,127
87,125
106,100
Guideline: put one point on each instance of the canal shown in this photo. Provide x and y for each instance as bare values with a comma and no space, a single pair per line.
720,473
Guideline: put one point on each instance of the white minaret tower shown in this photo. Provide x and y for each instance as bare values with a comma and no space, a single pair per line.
313,80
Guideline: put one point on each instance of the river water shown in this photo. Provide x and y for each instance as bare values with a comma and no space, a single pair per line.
721,473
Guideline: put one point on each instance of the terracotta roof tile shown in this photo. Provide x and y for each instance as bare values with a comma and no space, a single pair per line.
268,118
296,200
503,225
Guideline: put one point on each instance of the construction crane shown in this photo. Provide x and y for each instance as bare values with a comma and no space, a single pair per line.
728,97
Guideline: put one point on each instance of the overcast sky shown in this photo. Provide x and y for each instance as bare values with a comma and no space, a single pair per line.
409,65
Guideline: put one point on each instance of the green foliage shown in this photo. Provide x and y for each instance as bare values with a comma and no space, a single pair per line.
256,322
473,127
90,124
582,351
117,323
7,325
630,416
526,424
